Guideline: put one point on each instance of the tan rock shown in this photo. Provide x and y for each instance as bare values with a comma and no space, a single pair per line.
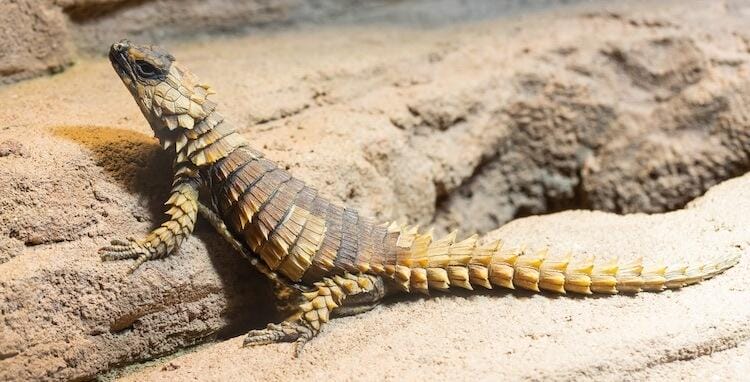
34,40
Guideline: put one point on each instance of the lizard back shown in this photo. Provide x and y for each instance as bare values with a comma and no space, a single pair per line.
295,230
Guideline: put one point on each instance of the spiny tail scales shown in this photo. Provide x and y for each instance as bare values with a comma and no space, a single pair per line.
441,264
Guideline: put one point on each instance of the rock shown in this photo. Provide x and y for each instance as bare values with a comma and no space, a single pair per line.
11,147
35,40
647,141
44,36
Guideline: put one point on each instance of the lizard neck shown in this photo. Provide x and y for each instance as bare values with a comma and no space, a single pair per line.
185,121
209,140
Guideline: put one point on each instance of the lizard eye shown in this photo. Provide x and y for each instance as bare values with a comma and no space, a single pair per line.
145,69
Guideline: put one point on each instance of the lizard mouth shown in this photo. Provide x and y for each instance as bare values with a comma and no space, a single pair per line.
118,58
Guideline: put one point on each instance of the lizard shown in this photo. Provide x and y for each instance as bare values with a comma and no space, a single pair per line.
332,259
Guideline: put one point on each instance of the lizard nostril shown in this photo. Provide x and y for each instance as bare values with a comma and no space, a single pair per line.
120,46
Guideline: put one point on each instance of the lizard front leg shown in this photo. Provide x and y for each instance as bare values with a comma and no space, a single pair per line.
316,308
164,240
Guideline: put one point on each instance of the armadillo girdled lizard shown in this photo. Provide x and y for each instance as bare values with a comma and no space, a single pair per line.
335,259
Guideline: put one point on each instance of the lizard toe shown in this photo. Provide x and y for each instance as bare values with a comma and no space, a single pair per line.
287,331
123,250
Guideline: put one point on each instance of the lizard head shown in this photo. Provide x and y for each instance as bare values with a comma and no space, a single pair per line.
169,96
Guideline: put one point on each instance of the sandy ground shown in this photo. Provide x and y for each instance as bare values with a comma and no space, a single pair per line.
464,125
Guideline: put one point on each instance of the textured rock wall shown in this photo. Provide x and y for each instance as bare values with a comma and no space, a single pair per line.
35,40
631,125
45,36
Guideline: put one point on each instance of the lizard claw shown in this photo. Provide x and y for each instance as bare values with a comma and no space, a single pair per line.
123,250
287,331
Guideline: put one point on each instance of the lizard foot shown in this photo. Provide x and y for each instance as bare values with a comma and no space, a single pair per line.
288,331
123,250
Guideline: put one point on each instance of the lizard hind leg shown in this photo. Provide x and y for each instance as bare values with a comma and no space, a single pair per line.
363,302
315,310
291,330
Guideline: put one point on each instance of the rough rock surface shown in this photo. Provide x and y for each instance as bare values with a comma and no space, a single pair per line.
462,125
45,35
35,40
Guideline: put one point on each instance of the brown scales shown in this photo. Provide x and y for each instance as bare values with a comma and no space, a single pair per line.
327,252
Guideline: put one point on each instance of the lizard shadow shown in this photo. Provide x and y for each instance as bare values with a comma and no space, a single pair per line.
250,299
137,163
132,159
458,293
496,292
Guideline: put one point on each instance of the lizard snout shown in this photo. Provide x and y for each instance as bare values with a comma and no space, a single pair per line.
121,46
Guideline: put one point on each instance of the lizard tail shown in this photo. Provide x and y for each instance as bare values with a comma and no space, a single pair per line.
422,264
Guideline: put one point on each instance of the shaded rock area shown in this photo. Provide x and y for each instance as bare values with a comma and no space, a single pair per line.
462,125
